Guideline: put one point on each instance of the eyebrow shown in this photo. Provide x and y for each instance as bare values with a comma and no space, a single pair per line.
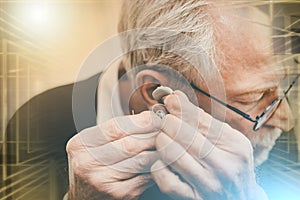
263,89
257,91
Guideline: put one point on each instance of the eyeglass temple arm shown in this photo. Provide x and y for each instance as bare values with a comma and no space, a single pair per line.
224,104
291,85
246,116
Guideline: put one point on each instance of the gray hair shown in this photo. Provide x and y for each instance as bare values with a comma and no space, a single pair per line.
184,24
189,35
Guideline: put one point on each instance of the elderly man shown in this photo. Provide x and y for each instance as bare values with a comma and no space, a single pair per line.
198,150
218,60
202,148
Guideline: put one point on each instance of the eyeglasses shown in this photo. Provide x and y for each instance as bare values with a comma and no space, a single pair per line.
261,119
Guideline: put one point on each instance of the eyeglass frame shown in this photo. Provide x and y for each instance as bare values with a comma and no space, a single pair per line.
274,104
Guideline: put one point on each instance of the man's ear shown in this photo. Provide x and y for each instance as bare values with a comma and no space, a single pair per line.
148,80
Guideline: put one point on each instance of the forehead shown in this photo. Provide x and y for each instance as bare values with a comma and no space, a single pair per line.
243,38
244,49
251,69
257,80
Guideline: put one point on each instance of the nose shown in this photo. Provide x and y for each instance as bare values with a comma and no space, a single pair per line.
282,117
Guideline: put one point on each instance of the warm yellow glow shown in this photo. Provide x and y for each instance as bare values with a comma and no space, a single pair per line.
38,15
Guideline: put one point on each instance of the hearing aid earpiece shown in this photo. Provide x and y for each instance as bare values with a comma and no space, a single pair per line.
160,92
159,109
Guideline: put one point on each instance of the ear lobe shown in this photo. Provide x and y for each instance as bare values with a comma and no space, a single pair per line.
147,81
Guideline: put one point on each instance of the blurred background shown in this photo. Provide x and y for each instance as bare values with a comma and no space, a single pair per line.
42,45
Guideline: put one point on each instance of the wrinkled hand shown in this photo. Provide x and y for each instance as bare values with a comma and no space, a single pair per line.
207,158
113,160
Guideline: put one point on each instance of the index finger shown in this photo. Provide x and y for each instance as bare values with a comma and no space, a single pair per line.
179,105
120,127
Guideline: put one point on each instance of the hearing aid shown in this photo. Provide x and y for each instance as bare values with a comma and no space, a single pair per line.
160,92
159,109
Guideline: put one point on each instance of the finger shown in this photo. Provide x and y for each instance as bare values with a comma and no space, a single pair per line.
169,183
121,149
119,127
187,136
179,105
183,163
141,163
131,188
129,168
139,184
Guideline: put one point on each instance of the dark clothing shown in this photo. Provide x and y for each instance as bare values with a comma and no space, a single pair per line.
39,130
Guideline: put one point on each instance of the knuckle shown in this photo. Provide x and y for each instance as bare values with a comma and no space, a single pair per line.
119,192
237,178
78,169
216,189
142,161
112,129
189,195
79,160
128,146
133,145
215,186
73,144
169,119
82,164
145,119
245,159
171,102
231,171
146,162
235,174
80,172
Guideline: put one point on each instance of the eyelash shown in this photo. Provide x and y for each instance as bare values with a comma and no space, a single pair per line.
248,103
263,95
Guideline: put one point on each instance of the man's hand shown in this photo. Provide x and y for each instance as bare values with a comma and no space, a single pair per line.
207,158
113,160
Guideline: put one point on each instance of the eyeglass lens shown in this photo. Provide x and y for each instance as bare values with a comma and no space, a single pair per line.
269,111
267,114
